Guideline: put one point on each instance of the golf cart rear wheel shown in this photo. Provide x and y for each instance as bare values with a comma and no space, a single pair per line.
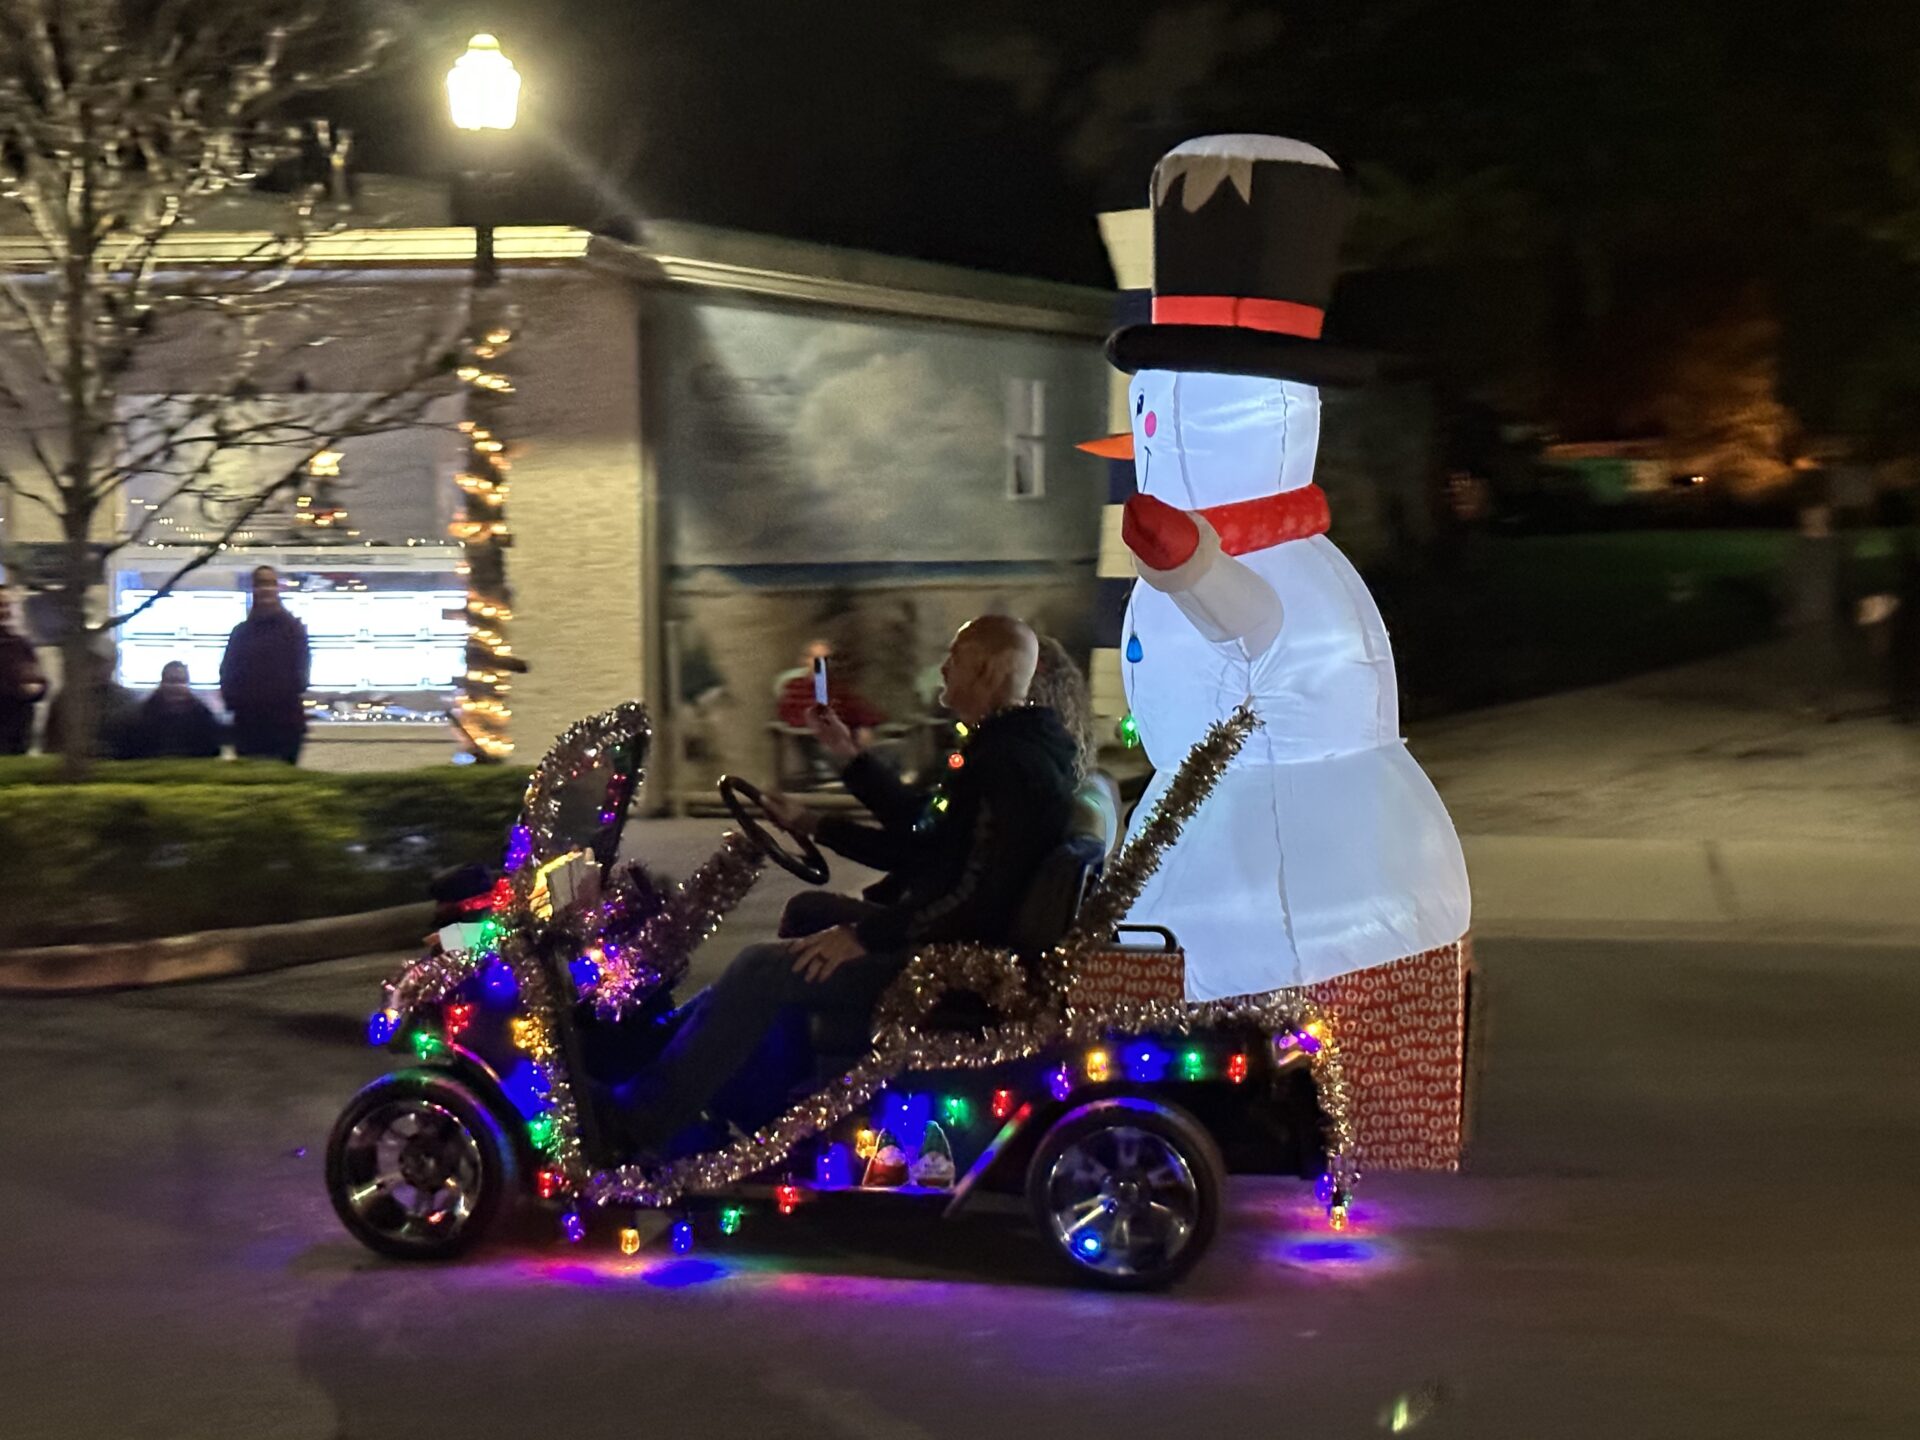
1126,1193
417,1167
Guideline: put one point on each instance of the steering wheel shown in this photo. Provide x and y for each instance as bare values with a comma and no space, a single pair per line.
737,795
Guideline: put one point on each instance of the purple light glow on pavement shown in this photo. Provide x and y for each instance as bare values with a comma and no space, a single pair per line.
615,1271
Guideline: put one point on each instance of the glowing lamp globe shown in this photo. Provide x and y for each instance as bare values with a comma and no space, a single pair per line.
483,88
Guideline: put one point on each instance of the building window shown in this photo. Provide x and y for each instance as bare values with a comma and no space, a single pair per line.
386,626
1026,439
360,543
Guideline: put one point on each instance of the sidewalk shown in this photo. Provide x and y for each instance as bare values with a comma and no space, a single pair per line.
1692,802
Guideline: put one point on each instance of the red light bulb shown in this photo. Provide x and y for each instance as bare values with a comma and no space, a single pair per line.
1002,1104
787,1197
1237,1068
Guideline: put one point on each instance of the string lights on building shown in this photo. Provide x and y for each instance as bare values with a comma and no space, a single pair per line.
482,710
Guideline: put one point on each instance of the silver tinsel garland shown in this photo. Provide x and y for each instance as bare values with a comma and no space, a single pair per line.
656,954
659,953
1032,1023
580,749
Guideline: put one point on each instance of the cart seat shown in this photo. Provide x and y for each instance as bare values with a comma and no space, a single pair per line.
1059,885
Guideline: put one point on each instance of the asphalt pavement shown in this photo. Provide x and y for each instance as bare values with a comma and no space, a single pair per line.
1689,1214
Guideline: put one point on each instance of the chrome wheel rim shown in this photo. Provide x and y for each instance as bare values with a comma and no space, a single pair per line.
411,1171
1122,1201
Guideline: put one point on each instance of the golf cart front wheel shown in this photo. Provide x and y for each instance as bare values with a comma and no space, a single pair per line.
1126,1193
417,1167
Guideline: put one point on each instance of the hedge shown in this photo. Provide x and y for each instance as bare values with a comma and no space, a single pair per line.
164,847
1517,617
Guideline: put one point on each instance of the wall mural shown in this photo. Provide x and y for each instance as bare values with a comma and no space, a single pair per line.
790,438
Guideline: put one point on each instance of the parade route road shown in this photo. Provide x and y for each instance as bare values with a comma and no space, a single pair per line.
1690,1214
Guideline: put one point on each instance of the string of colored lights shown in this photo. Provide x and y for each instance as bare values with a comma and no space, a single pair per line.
507,960
1031,1023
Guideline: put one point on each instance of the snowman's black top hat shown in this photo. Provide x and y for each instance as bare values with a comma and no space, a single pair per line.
1246,247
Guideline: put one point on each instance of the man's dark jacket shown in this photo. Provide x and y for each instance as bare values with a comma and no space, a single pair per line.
265,671
960,870
183,729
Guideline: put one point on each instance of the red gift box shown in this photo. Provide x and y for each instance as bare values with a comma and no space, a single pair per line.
1128,977
1402,1029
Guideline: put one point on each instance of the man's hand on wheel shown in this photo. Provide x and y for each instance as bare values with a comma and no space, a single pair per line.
790,814
832,733
818,956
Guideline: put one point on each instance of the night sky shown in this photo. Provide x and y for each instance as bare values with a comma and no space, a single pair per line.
1608,171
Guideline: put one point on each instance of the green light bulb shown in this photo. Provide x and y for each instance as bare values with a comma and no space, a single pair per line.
957,1110
542,1131
729,1220
1193,1065
1129,730
428,1046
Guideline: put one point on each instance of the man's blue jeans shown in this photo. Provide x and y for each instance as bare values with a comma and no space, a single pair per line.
735,1023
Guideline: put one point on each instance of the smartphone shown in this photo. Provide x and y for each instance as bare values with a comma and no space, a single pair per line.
820,681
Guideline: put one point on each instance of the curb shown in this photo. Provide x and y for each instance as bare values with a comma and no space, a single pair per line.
1526,887
207,954
1736,890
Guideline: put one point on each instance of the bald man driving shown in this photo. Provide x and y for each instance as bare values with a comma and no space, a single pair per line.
958,868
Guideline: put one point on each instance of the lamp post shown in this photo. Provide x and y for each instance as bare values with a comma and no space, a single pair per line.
483,93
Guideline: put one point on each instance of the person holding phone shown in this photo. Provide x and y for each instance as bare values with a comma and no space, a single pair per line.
958,861
799,693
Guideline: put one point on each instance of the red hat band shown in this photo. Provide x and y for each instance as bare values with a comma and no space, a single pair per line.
1240,312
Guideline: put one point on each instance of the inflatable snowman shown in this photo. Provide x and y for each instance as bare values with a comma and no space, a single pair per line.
1324,849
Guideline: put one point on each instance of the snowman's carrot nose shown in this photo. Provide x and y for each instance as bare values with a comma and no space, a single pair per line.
1110,447
1164,538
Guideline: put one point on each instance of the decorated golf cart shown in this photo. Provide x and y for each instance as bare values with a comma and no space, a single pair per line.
1282,988
1075,1075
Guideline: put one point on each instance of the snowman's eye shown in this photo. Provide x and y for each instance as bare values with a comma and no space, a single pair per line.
1139,402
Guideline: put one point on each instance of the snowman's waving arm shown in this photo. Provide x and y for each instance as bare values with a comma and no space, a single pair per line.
1178,553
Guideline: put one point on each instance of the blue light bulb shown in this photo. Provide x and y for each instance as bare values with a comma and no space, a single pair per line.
1135,653
498,982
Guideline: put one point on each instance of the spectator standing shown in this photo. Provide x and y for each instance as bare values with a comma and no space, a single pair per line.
22,683
1814,609
173,723
264,675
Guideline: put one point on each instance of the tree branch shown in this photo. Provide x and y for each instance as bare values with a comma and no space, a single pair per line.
13,486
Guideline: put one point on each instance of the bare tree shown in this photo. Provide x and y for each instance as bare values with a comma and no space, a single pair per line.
152,326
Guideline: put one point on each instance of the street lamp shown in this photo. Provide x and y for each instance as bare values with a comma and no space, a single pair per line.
483,92
483,88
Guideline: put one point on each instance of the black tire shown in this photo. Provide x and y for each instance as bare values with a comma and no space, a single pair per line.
1134,1140
454,1166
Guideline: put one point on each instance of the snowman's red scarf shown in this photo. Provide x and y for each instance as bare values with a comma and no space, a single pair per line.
1249,525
